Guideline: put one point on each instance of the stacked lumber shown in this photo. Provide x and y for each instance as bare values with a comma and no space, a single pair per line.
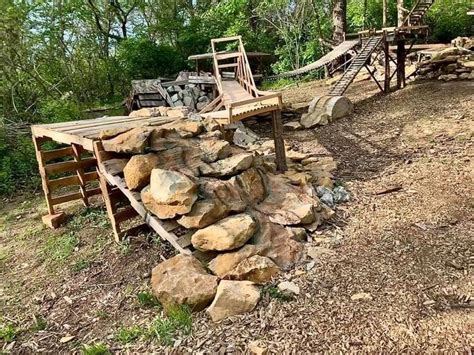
448,64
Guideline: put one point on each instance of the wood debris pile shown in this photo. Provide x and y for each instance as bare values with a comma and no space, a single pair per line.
454,63
246,221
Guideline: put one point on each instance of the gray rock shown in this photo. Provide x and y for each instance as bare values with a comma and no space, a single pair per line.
340,194
325,195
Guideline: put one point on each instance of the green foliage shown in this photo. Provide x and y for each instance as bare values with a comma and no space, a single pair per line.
95,349
148,300
60,247
274,292
448,19
179,320
8,332
59,110
127,335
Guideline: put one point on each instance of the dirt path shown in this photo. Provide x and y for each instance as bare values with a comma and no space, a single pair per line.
408,254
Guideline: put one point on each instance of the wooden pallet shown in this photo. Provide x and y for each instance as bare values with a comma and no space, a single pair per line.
113,185
70,173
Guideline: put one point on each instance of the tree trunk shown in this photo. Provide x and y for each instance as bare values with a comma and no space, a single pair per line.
339,20
384,15
400,13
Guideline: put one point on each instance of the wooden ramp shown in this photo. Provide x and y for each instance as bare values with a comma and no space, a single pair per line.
328,58
238,97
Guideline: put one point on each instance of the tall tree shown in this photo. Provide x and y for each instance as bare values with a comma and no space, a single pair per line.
400,13
339,19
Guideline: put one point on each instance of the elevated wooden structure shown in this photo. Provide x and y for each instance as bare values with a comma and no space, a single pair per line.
238,97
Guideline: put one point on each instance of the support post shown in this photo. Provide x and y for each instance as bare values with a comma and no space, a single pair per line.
77,150
277,130
401,54
386,53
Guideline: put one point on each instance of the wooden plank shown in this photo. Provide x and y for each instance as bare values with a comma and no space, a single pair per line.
80,173
56,153
72,180
60,137
125,214
277,131
66,166
44,177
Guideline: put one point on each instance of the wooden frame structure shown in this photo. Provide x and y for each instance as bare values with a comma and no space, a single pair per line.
238,97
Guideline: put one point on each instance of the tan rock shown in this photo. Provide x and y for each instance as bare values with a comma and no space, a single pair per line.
213,150
258,348
164,110
138,170
298,178
184,128
177,112
132,142
319,252
223,263
112,132
252,186
145,112
229,166
258,269
211,124
170,193
183,280
278,243
326,164
287,204
227,192
295,156
228,234
232,298
203,214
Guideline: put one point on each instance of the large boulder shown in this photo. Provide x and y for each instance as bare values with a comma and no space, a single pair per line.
252,186
170,193
228,234
203,214
227,192
131,142
258,269
232,298
183,280
229,166
184,128
213,150
138,170
287,204
225,262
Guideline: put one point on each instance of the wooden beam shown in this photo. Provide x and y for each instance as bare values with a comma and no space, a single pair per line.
277,130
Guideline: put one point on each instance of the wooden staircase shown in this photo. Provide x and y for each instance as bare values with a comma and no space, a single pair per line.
368,47
417,13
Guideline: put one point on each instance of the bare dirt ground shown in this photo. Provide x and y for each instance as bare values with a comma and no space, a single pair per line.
410,251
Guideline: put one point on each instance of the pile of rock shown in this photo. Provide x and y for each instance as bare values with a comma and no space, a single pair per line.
454,63
191,96
249,221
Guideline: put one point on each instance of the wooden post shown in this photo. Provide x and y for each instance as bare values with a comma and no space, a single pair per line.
386,64
401,63
277,130
77,150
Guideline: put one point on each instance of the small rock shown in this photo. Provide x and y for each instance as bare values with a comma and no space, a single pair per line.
340,194
317,252
258,348
258,269
145,112
325,195
170,193
211,124
232,298
112,132
223,263
244,137
228,166
448,77
361,296
132,142
183,280
230,233
293,126
203,214
213,150
289,287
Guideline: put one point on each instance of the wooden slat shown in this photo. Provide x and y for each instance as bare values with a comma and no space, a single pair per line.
125,215
56,153
231,65
72,180
69,166
74,196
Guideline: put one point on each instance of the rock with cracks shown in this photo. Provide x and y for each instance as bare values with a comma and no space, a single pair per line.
258,269
132,142
232,298
183,280
229,166
228,234
223,263
213,150
203,214
169,194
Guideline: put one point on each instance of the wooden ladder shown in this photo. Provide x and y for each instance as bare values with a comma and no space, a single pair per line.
357,64
417,13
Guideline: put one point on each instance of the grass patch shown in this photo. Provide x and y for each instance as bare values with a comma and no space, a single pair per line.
95,349
39,324
274,292
124,247
80,265
4,256
8,332
59,248
148,300
129,334
94,217
178,321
